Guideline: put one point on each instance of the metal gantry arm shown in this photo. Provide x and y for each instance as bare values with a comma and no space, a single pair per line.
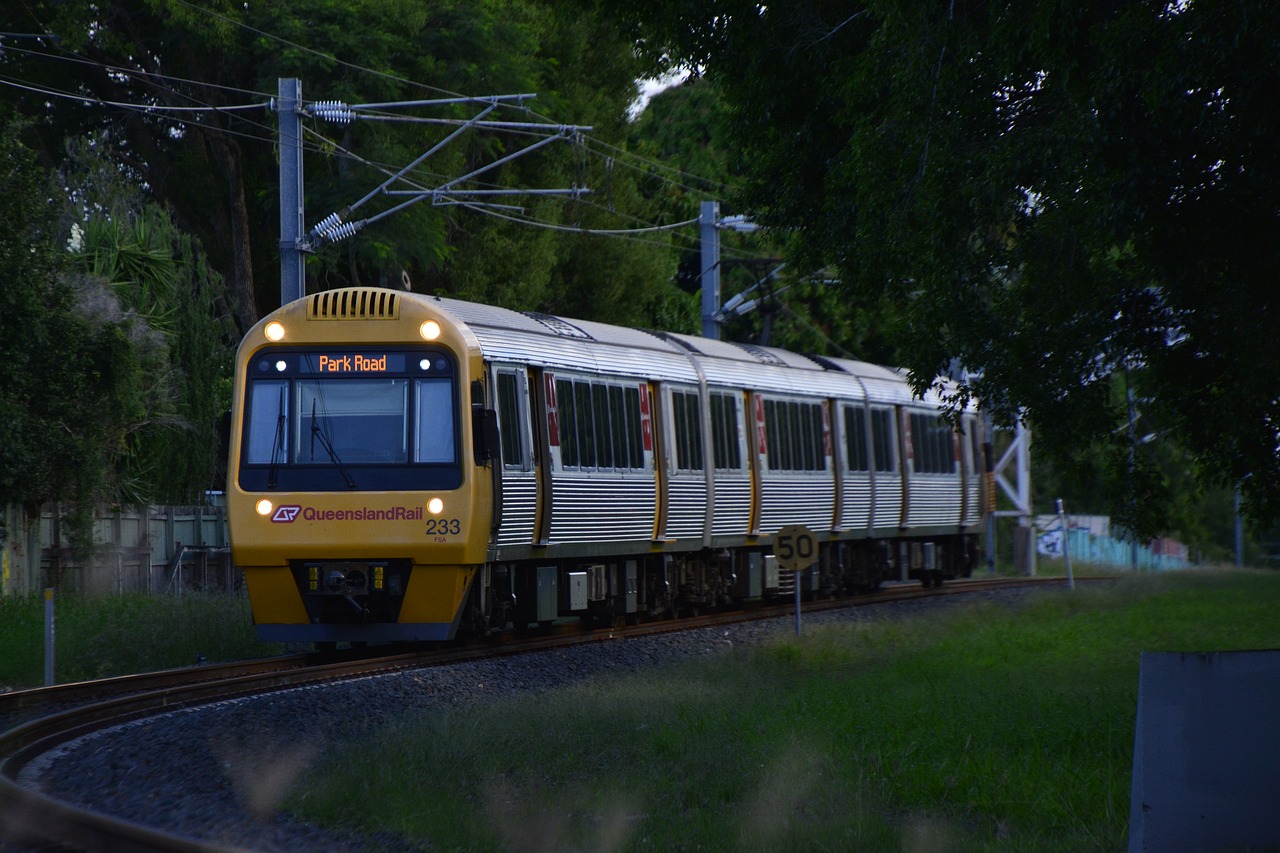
336,226
294,241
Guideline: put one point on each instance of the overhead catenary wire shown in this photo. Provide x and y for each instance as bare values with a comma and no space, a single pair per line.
90,99
163,83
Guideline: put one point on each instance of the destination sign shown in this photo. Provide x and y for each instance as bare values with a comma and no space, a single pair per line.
352,362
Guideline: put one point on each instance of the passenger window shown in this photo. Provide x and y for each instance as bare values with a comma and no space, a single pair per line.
510,422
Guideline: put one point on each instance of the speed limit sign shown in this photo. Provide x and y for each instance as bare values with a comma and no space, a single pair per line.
795,547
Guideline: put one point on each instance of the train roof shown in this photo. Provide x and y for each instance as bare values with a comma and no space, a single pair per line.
569,344
572,344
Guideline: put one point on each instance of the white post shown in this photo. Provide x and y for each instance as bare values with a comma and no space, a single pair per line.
1066,545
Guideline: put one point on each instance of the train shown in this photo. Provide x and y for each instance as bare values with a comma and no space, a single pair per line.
407,467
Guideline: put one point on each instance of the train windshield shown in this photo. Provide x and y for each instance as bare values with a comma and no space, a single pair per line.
351,420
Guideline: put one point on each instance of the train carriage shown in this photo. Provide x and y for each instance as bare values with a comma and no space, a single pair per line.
404,467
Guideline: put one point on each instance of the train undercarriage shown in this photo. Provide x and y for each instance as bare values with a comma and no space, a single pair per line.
607,592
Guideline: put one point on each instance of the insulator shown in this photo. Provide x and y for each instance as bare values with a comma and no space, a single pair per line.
341,232
330,221
335,111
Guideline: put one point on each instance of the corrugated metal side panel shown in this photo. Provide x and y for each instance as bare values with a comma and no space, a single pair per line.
973,509
797,500
602,509
934,501
519,510
687,507
855,502
733,506
888,489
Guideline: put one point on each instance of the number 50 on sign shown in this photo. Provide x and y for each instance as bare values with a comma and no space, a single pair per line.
795,547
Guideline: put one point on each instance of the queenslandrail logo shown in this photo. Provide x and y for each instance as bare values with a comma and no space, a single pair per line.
285,514
289,514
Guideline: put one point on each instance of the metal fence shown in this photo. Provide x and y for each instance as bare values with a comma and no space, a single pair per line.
161,549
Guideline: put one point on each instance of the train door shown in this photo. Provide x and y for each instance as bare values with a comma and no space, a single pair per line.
888,482
546,420
653,408
519,474
856,494
759,452
684,463
973,467
730,466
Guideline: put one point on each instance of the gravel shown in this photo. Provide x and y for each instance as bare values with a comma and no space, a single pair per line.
217,773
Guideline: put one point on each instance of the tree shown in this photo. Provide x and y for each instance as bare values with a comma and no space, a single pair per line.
215,169
29,301
78,371
1056,194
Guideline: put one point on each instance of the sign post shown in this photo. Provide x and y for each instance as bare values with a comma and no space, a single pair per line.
48,637
796,549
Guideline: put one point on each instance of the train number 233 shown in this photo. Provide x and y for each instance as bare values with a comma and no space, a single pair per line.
443,526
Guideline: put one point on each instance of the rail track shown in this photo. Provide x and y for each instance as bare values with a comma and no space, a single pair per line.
49,718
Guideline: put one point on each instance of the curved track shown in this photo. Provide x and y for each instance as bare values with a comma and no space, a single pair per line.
58,715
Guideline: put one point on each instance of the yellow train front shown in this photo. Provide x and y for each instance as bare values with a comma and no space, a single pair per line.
359,494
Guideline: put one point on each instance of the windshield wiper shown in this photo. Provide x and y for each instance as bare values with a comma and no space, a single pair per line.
278,446
316,432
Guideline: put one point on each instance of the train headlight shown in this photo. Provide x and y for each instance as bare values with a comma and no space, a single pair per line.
435,506
274,331
429,330
263,507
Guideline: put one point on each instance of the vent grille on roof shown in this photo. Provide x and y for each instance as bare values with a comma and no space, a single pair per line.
561,327
354,303
763,354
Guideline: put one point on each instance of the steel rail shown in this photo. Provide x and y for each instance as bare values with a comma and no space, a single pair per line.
28,815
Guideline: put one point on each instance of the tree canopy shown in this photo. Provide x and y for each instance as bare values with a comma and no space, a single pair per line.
183,93
1062,197
140,168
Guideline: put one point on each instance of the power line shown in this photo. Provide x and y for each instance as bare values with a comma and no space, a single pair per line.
591,146
578,229
90,99
65,55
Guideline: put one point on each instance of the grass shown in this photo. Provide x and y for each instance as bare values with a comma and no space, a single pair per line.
103,636
981,728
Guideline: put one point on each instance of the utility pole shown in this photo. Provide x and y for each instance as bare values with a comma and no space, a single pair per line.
709,225
289,105
710,240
